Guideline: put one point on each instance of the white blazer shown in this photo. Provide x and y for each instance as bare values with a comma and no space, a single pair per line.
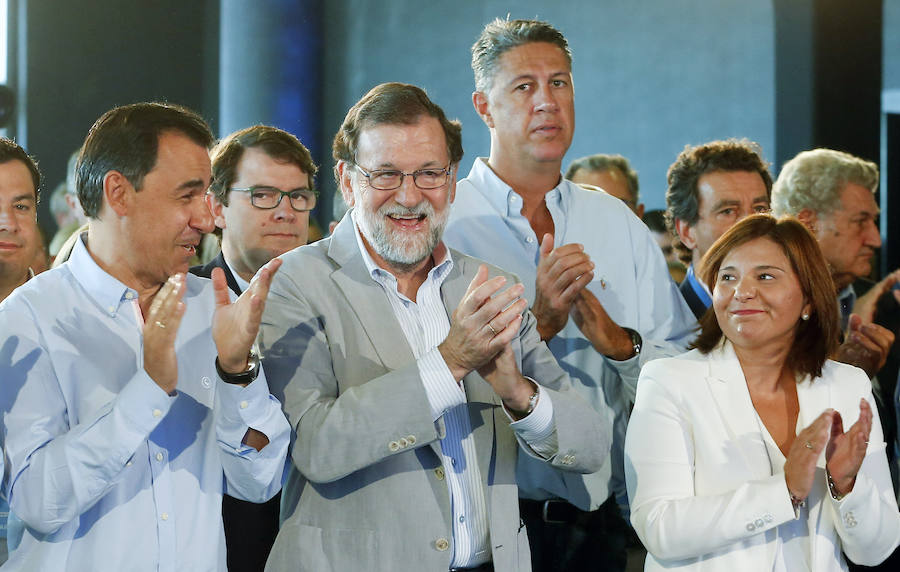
702,492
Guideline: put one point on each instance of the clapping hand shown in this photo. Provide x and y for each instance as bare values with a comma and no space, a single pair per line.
160,328
561,274
866,345
235,325
845,452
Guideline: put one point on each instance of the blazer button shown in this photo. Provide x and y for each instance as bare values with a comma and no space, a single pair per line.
394,446
759,523
751,527
439,473
411,439
441,544
403,443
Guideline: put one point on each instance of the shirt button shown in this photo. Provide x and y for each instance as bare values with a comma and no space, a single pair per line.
529,239
164,516
159,456
442,544
453,462
111,310
243,405
157,413
129,295
128,464
462,519
439,473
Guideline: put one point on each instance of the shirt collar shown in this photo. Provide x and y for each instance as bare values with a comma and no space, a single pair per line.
441,255
106,291
502,197
700,289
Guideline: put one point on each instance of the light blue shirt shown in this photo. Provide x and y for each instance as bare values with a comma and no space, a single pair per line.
425,324
105,470
631,280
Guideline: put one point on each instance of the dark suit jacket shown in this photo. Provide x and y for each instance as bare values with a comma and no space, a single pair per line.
250,528
693,301
218,261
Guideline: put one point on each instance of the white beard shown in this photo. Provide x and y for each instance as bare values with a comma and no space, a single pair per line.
402,250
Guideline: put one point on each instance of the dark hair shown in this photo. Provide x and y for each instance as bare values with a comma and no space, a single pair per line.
125,139
12,151
502,35
601,163
816,338
656,220
393,103
682,196
276,143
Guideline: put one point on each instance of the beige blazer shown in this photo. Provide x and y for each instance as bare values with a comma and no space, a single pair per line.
366,475
703,496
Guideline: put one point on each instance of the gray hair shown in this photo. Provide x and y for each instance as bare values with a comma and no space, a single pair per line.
502,35
815,179
601,163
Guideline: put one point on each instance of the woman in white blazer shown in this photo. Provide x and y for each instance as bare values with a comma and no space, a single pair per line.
754,451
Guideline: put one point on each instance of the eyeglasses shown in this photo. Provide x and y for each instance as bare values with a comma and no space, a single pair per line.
389,179
302,200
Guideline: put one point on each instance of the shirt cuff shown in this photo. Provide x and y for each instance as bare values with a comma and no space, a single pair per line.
139,408
537,428
245,407
440,387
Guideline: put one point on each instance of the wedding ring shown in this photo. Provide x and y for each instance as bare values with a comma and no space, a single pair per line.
160,324
808,445
493,331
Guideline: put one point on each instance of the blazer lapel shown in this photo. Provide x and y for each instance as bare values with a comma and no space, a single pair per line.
229,277
366,299
729,390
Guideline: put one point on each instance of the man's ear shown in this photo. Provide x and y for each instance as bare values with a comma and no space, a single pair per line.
480,102
809,219
342,174
217,209
116,193
685,234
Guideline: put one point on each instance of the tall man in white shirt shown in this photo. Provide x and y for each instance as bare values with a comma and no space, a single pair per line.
598,284
131,400
260,197
404,369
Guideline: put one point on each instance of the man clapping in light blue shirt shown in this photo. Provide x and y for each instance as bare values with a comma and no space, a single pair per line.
131,399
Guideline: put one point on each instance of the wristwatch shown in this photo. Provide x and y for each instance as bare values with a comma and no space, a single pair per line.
243,378
636,340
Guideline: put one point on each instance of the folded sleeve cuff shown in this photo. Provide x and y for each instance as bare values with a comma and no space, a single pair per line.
442,390
537,428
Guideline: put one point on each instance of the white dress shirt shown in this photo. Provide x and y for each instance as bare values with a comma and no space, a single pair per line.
106,471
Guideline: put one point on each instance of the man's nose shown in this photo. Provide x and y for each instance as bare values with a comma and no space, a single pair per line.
201,217
8,220
872,236
545,99
408,194
284,210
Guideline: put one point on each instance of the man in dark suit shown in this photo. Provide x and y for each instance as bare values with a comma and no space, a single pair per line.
711,187
261,194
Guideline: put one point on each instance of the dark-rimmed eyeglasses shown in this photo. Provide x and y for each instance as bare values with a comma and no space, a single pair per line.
261,197
390,179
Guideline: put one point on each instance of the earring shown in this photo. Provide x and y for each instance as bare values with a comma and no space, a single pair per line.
804,316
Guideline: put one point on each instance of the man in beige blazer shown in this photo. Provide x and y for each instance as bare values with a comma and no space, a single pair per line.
412,375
